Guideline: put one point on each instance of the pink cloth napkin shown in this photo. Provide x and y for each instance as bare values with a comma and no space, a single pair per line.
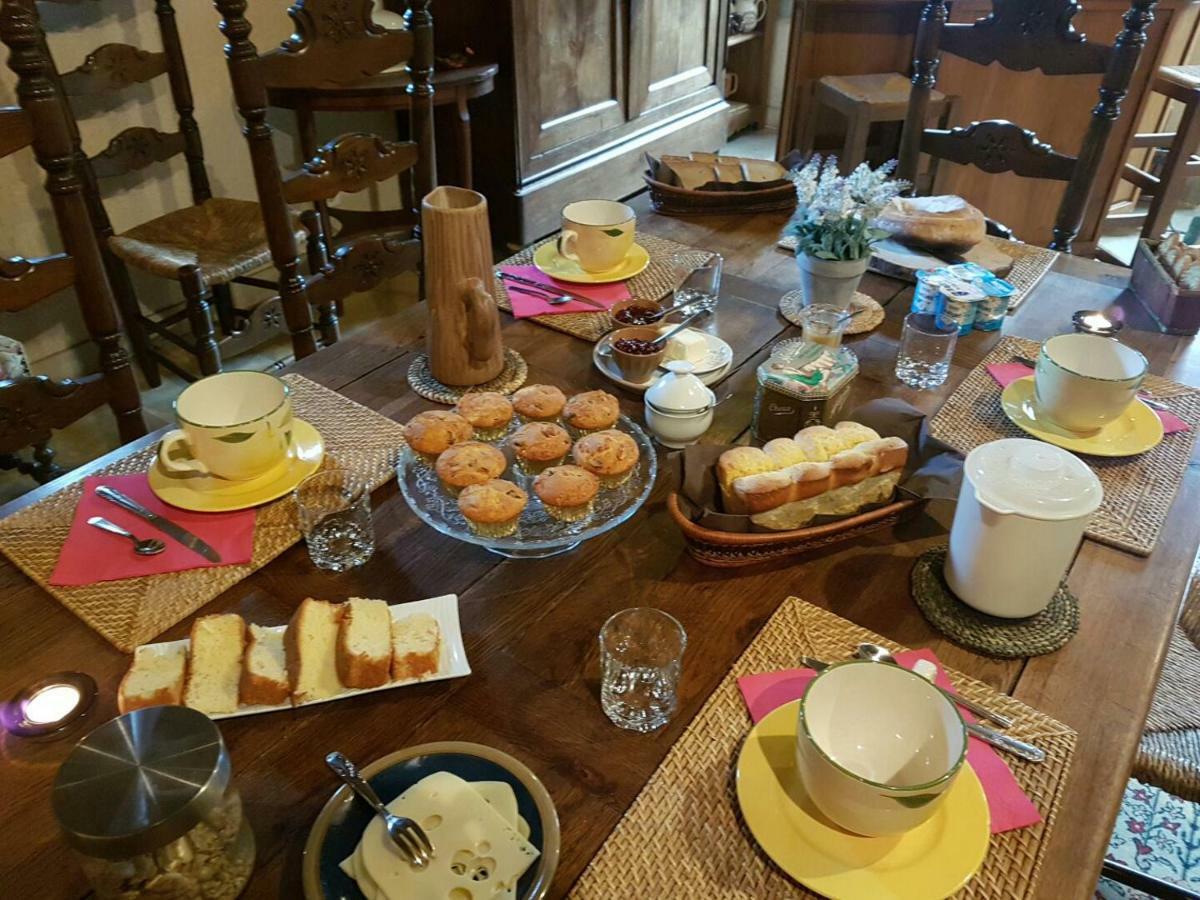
90,555
525,305
1006,373
1009,806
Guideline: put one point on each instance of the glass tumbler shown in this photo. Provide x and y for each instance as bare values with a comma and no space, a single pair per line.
700,282
925,351
823,325
334,509
641,655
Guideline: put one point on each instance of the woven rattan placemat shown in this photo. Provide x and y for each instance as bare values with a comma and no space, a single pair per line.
683,837
132,611
653,283
1138,490
511,377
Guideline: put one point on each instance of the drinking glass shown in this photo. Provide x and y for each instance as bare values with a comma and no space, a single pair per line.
925,351
334,509
700,282
641,654
823,325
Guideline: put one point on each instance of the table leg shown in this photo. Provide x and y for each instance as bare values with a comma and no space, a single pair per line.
464,142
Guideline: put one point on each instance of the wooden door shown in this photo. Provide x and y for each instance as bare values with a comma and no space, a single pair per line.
571,65
673,59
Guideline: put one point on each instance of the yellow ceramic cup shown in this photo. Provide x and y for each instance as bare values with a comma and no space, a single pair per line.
597,234
235,425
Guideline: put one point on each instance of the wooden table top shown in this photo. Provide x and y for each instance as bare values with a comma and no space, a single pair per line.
530,627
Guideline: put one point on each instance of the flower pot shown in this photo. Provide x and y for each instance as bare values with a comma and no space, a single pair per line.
830,282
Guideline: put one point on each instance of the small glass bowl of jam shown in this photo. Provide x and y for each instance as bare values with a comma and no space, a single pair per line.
634,352
634,313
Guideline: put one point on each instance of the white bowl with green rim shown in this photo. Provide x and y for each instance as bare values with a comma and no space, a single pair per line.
1084,381
877,746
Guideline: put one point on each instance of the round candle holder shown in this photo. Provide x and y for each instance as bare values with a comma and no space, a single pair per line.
51,706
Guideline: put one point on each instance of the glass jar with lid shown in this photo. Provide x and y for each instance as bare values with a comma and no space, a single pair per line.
148,803
801,384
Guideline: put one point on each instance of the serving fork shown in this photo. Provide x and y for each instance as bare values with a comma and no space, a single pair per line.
409,837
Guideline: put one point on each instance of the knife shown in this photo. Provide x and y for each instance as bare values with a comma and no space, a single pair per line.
166,526
529,282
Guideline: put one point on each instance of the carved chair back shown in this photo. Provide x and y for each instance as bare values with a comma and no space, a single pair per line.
335,42
32,407
1023,35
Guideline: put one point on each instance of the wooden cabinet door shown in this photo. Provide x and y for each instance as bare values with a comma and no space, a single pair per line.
570,60
673,55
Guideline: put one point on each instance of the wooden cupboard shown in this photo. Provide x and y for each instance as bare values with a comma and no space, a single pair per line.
585,89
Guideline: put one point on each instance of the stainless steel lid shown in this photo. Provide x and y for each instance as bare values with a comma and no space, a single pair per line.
140,781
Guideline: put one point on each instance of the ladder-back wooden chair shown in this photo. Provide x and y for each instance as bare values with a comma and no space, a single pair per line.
1022,35
204,247
31,408
335,42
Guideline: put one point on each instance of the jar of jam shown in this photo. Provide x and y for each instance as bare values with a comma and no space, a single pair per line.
801,384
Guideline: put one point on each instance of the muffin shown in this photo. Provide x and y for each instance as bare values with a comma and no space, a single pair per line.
540,445
609,455
539,402
488,412
592,411
567,492
430,433
470,462
493,509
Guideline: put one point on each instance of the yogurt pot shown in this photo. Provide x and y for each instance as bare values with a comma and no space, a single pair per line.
678,406
956,305
1022,511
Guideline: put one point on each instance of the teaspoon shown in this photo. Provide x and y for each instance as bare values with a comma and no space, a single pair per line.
141,546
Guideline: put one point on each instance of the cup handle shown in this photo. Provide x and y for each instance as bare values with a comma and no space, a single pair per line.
566,240
174,439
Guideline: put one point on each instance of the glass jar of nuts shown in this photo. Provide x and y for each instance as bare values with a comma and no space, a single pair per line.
147,801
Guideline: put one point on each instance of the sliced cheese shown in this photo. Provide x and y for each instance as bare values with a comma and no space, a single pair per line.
478,853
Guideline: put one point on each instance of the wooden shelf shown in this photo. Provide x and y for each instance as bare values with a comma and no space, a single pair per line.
735,40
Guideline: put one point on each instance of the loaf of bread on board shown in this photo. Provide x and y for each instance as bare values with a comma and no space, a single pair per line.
938,223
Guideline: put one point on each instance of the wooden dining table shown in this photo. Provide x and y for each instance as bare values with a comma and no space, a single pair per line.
530,626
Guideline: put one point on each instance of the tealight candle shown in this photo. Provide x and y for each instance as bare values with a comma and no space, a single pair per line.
1093,321
50,706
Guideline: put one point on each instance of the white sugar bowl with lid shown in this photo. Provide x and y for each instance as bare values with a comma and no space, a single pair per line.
679,408
1022,511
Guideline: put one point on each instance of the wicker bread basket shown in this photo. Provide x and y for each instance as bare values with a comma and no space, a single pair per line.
727,549
671,200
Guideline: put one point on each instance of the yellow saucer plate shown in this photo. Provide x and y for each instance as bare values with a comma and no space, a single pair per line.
548,260
207,493
1137,429
933,860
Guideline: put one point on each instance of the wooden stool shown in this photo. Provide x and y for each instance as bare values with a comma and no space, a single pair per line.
864,100
1180,83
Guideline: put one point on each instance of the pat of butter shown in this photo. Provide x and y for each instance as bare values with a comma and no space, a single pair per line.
478,854
689,344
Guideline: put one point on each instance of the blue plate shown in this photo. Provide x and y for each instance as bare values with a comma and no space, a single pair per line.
339,826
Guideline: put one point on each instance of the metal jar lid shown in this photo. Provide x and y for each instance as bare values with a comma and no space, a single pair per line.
140,781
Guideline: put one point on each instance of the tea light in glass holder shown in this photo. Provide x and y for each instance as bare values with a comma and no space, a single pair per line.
1093,321
50,706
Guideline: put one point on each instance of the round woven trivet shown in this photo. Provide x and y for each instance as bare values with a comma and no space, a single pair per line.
511,377
867,312
1004,638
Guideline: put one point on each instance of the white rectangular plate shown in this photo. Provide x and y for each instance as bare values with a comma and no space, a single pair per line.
453,662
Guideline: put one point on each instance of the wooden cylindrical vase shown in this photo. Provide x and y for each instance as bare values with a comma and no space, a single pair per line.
463,338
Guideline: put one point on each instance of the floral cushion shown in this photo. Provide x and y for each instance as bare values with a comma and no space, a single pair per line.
1156,834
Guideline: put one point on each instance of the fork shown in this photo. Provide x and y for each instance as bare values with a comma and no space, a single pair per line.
410,839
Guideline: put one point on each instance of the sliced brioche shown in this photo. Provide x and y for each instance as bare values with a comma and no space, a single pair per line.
214,667
416,646
736,463
311,649
364,648
154,679
264,668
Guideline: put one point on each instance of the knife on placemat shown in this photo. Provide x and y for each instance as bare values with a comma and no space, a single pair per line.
166,526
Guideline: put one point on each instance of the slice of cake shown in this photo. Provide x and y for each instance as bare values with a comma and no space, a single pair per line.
311,648
264,668
215,663
364,650
154,679
416,646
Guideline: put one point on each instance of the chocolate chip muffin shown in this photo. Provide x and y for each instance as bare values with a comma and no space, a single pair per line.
539,402
470,462
592,411
488,412
539,445
430,433
493,509
567,492
609,455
